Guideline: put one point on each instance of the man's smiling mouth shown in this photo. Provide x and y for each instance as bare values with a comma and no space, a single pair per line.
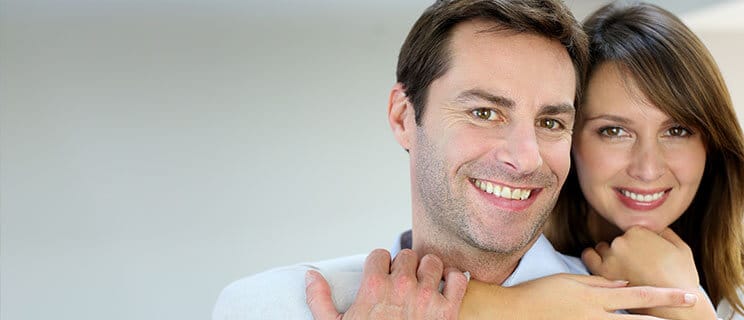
502,191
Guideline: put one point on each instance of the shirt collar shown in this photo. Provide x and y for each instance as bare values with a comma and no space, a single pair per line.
539,261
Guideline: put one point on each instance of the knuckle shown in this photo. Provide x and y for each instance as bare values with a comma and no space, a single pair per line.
434,260
374,282
618,241
379,253
405,257
404,281
686,249
644,294
406,253
457,278
432,265
425,294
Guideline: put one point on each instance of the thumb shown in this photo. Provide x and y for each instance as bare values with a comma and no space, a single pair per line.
318,297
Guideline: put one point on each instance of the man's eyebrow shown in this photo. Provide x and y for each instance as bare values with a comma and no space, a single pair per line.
609,117
479,94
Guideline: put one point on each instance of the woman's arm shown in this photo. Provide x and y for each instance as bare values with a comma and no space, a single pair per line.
566,296
406,288
645,258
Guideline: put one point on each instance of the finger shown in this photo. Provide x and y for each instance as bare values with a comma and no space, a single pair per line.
639,230
455,283
617,316
377,262
646,297
595,281
404,264
592,260
603,248
318,297
429,271
672,237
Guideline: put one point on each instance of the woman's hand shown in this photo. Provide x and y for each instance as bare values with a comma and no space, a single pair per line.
567,296
645,258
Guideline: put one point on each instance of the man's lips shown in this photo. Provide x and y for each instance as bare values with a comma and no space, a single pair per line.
506,197
502,190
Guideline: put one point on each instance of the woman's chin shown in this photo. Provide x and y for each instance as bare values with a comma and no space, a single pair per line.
650,225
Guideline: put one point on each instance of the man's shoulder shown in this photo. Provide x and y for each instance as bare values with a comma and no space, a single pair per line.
573,264
279,293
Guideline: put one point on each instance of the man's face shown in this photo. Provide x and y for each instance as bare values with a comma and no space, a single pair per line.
492,149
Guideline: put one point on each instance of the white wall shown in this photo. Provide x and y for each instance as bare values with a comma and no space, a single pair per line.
721,28
153,151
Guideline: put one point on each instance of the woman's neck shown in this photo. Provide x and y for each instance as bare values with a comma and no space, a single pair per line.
600,229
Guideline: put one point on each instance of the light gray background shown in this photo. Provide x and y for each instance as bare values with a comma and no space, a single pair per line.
154,151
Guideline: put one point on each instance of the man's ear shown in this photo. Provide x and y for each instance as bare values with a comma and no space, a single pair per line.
401,116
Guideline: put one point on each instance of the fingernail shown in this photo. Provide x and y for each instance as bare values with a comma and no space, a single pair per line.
309,277
622,282
690,298
467,275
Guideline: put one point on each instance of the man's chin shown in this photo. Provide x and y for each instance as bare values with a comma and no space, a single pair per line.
503,246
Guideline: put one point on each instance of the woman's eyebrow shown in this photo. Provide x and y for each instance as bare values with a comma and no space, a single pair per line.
609,117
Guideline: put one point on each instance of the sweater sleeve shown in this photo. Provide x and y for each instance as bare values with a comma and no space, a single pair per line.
280,293
274,294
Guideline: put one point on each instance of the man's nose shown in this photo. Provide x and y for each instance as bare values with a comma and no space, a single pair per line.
521,151
647,161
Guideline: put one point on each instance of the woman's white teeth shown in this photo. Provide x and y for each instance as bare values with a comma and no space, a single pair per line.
643,197
503,192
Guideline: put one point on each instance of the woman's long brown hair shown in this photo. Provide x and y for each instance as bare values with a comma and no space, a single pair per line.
675,71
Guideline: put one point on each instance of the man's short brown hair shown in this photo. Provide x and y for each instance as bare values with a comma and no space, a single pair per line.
425,54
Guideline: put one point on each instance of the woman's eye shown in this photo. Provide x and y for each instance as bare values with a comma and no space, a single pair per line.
612,131
485,114
679,132
552,124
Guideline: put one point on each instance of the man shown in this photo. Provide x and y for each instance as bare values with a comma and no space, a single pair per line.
485,105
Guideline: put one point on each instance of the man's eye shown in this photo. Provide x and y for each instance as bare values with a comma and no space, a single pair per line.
485,114
552,124
679,132
612,131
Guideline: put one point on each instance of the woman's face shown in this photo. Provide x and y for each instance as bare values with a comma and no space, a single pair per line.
636,165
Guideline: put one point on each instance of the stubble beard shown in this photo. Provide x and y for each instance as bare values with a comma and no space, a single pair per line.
448,211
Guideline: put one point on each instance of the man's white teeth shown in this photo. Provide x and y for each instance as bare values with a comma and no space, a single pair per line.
503,192
643,197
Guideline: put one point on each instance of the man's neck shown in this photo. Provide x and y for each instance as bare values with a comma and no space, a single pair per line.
482,265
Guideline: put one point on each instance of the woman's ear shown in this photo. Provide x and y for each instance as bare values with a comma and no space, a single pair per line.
401,116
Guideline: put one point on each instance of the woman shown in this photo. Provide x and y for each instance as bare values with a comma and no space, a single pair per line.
656,145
